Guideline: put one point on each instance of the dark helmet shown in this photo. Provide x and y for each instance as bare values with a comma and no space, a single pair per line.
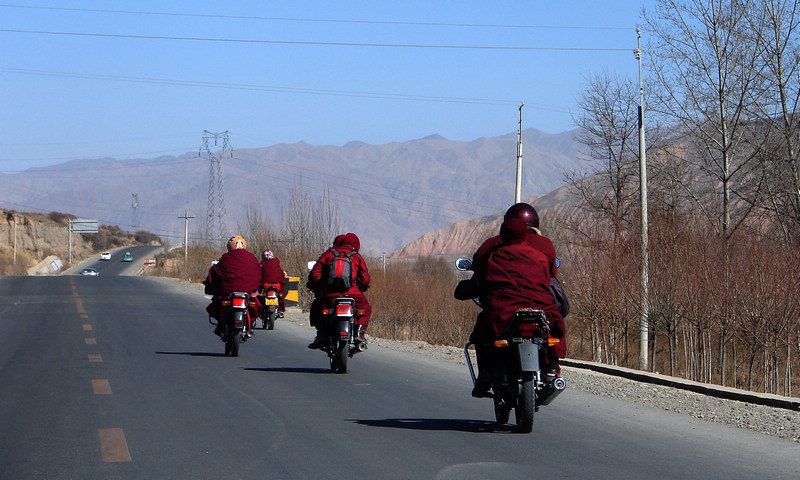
524,212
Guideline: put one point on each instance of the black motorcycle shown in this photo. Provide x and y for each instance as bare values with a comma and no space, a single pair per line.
339,325
237,321
517,357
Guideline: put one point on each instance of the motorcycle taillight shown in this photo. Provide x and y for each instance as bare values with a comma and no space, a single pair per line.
528,329
272,294
344,310
239,302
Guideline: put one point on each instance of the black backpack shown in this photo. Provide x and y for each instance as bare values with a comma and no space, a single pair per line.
340,270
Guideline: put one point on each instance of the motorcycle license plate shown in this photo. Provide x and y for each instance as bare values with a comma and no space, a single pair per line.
270,301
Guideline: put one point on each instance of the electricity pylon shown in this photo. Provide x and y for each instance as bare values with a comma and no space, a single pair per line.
215,221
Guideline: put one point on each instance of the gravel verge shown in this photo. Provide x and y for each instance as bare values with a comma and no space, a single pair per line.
776,422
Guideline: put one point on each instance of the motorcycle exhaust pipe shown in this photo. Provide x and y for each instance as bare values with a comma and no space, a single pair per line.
361,346
551,391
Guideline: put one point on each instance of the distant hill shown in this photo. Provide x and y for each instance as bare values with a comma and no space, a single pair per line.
463,238
388,194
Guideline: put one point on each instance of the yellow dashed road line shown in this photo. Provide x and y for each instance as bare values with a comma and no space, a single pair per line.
114,446
100,386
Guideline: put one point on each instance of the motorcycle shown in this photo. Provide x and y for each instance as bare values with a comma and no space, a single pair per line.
237,323
268,297
339,322
518,382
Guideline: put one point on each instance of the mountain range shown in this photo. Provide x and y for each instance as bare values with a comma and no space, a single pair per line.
390,194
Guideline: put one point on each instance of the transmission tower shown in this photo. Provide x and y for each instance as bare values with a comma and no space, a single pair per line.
215,221
135,206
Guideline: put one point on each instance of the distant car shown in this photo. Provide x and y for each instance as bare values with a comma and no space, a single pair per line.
105,256
90,272
127,257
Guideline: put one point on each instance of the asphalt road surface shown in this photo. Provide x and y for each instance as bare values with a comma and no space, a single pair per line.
121,377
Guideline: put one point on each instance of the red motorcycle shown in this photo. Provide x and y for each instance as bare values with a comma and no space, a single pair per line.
519,382
339,321
268,297
238,312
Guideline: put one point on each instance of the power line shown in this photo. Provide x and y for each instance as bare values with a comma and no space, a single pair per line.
310,43
269,88
319,20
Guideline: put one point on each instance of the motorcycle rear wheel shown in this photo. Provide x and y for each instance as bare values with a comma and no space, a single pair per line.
269,324
232,346
526,404
339,361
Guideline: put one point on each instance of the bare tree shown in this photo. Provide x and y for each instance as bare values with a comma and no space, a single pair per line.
608,128
707,73
308,227
775,23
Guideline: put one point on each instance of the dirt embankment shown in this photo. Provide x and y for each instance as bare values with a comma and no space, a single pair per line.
26,239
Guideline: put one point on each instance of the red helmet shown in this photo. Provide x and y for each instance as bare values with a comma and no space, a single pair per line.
524,212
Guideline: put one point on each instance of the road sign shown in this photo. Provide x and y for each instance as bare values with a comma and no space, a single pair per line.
83,225
149,261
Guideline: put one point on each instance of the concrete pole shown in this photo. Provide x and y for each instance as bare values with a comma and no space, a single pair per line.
15,239
645,300
186,218
518,190
69,229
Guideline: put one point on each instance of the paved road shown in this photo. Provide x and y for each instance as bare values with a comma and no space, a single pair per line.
116,266
120,377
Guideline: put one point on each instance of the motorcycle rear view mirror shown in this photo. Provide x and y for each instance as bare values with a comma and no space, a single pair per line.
558,262
463,264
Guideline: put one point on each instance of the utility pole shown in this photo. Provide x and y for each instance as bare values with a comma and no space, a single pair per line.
215,223
645,300
15,238
518,191
186,218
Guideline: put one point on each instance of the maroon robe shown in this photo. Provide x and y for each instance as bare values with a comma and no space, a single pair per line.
510,276
324,296
237,271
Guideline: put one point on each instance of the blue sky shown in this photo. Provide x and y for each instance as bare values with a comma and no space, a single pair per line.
124,79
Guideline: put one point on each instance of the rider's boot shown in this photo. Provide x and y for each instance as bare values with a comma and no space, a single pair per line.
361,334
319,340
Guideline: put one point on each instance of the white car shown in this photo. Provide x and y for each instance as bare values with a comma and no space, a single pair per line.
105,256
90,272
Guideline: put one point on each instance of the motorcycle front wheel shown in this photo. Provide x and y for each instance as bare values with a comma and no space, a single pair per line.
526,404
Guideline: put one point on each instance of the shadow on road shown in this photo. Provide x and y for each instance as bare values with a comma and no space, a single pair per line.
193,354
452,424
291,370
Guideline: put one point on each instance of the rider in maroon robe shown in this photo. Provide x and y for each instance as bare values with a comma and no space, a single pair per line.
324,295
510,276
236,271
272,275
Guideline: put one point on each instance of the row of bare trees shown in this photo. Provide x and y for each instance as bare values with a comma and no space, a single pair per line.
724,188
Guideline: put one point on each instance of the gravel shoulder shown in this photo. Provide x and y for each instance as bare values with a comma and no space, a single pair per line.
776,422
